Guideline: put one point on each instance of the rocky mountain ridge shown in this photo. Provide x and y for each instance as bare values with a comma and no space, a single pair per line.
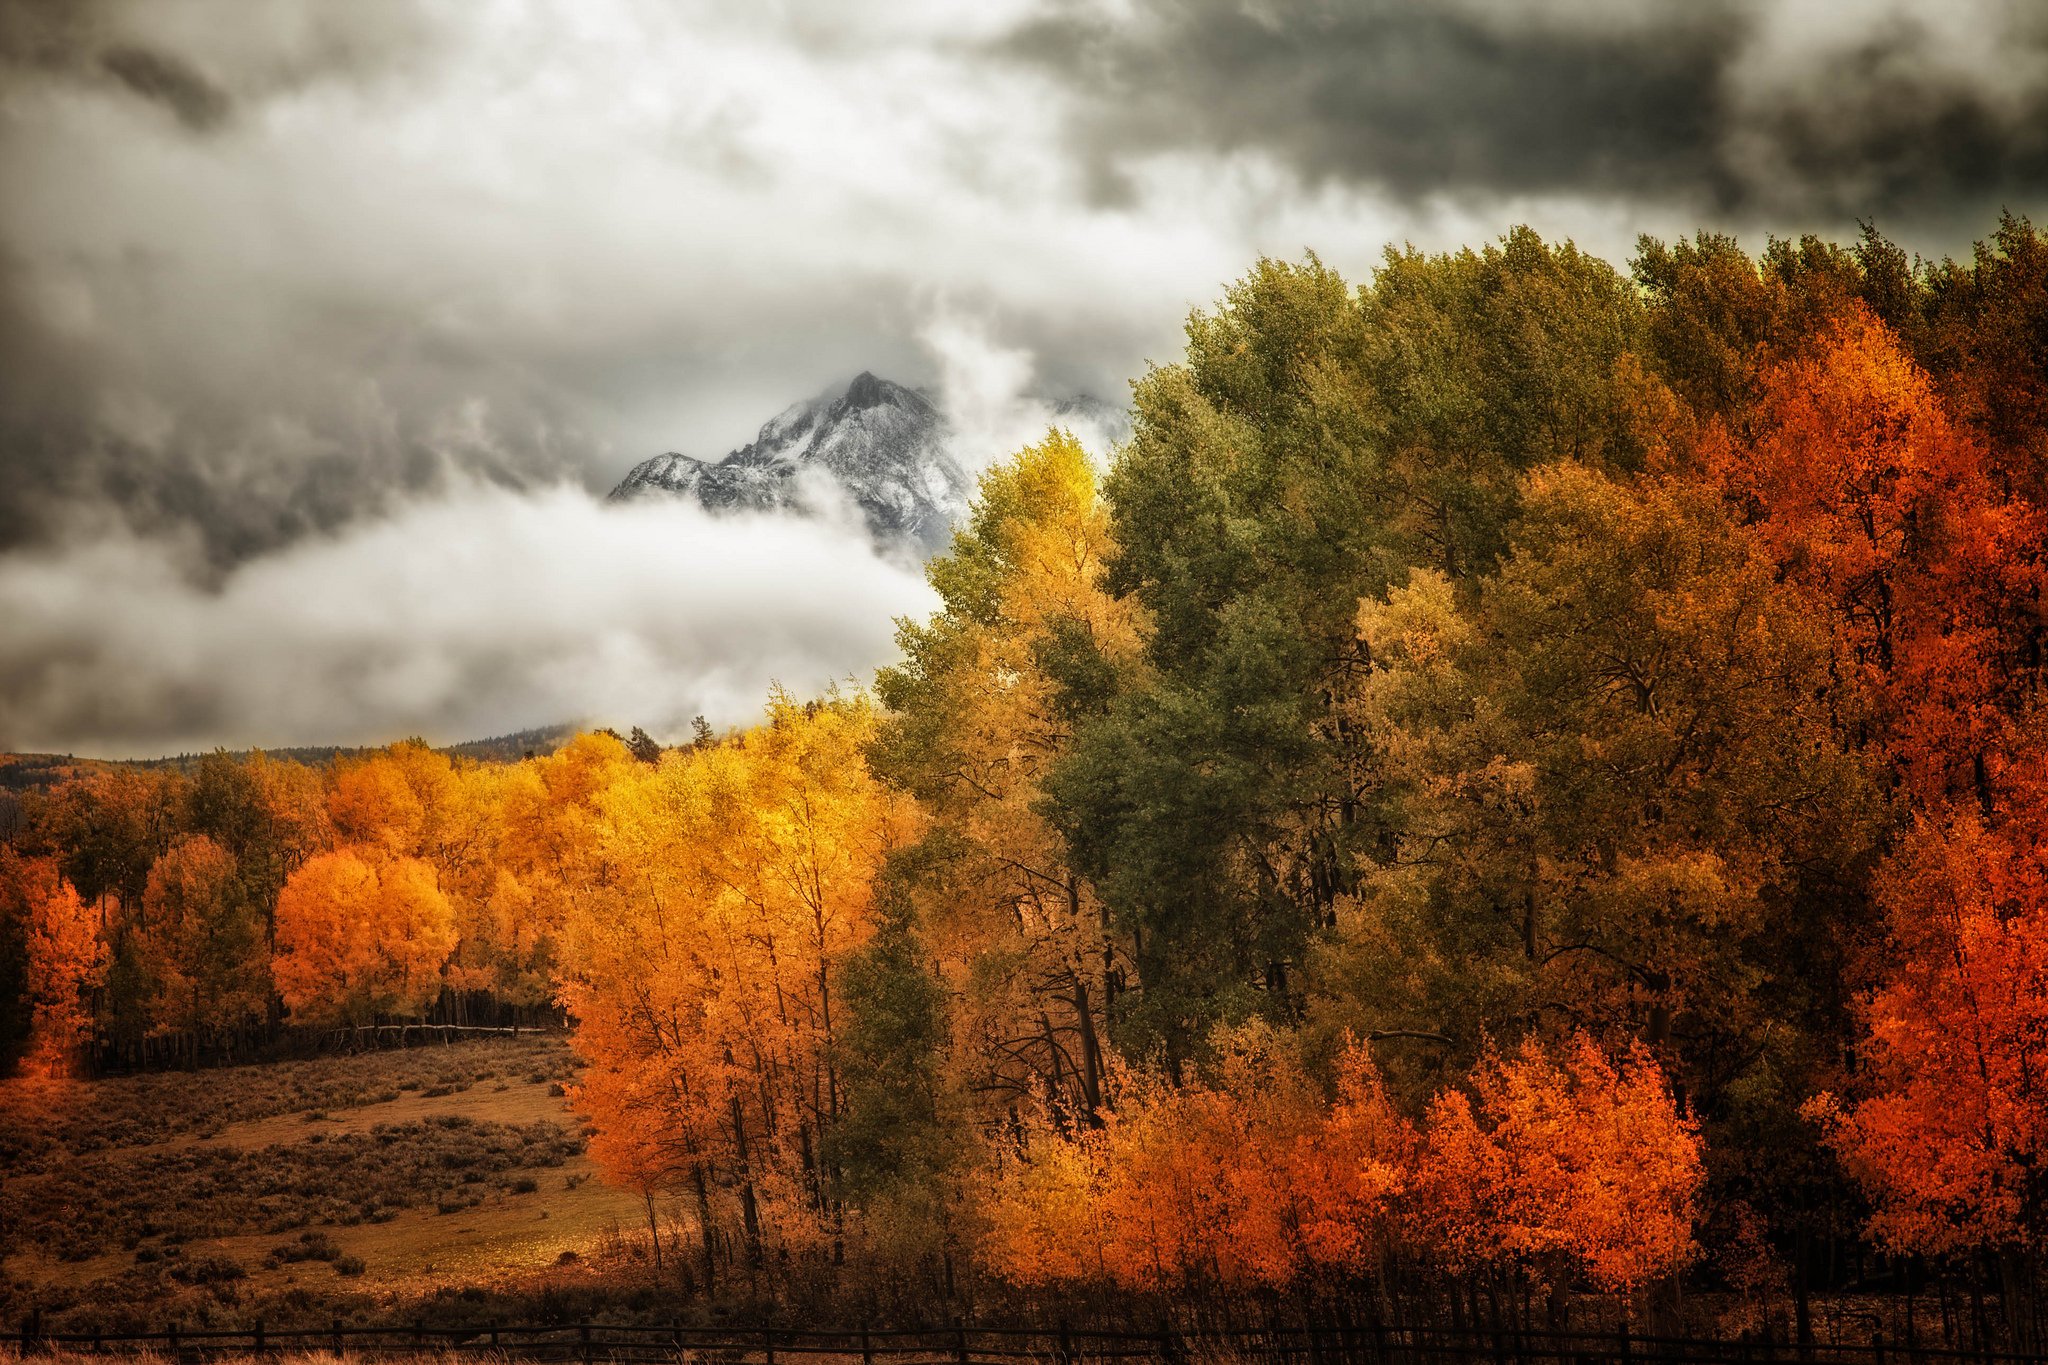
879,444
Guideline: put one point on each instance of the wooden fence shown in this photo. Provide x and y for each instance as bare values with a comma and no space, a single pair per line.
1336,1344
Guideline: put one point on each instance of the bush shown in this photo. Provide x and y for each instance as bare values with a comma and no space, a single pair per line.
311,1246
348,1265
208,1270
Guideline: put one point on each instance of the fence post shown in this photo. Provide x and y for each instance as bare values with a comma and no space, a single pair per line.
1625,1351
1877,1348
583,1335
867,1350
959,1342
336,1329
1169,1349
768,1343
494,1335
1065,1354
172,1337
259,1336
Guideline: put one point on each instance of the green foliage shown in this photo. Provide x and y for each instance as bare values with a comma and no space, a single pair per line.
1315,445
893,1141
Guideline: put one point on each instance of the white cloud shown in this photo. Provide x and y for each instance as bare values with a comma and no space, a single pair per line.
472,613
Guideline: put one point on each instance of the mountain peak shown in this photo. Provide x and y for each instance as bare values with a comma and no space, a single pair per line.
867,391
882,443
870,390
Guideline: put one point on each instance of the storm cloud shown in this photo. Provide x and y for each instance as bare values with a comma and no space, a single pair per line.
280,280
1868,110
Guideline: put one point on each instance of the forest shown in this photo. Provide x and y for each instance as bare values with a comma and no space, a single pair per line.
1519,777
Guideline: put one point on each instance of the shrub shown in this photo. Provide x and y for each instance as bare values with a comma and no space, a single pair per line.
208,1270
311,1246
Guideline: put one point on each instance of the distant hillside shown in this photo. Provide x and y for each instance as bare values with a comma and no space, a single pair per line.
515,746
34,772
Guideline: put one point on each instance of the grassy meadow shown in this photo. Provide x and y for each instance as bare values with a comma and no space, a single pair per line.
300,1191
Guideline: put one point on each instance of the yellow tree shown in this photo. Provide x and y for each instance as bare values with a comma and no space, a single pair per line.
551,849
410,801
982,705
702,970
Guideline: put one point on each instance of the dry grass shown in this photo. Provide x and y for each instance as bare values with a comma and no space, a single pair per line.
44,1121
296,1190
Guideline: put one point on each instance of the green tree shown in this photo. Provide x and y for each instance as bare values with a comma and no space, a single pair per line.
1314,445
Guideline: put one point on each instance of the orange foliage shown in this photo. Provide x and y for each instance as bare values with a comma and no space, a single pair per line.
1566,1161
1249,1180
732,880
66,958
1867,491
1951,1145
361,934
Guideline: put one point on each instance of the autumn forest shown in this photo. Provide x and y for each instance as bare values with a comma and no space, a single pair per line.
1521,778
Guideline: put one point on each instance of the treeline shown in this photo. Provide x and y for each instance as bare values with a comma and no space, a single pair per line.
1517,775
194,909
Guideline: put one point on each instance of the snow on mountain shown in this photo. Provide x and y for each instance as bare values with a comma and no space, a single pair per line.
883,444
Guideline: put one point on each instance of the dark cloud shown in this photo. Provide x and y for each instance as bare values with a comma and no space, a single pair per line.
1702,103
245,443
314,310
165,79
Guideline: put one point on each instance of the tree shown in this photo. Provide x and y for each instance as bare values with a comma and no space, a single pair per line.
983,704
269,816
361,934
897,1145
66,959
1867,492
1313,446
203,940
108,825
550,850
1613,795
1568,1164
1951,1139
17,876
1247,1178
703,971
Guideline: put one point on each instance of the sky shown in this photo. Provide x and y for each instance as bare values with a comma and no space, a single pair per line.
324,327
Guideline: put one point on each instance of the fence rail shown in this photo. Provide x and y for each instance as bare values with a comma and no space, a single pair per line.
1332,1344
